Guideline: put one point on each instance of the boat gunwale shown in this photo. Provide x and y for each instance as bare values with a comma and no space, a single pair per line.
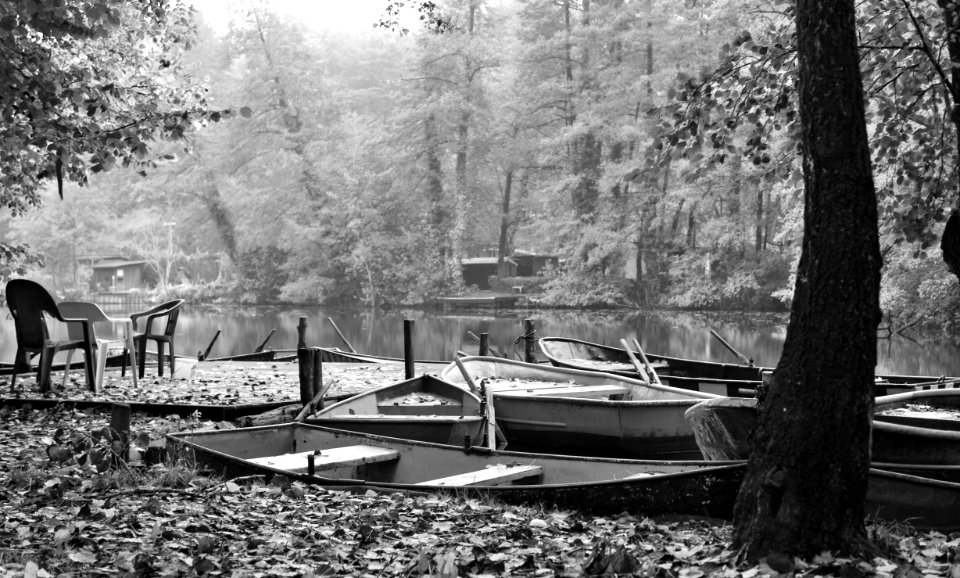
452,369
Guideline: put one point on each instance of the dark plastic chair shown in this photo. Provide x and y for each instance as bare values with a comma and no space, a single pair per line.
158,325
28,302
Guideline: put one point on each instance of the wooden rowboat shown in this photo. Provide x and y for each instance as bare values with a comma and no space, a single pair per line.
918,427
337,355
729,379
595,486
907,428
424,408
538,407
599,486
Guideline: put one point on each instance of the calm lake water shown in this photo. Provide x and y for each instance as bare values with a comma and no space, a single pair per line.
440,336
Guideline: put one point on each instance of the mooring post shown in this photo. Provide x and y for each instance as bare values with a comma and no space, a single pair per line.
409,369
302,333
310,365
120,432
528,335
484,344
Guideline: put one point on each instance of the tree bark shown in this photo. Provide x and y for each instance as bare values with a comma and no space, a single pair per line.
806,482
502,247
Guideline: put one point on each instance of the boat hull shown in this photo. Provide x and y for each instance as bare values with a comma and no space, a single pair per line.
648,424
728,379
424,408
591,485
594,486
723,427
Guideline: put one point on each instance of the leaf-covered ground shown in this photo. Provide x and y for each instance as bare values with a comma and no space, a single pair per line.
69,510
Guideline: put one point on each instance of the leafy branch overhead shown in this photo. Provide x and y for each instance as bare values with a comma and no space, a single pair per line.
88,85
747,106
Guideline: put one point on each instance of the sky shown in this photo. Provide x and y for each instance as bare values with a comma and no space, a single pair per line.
342,15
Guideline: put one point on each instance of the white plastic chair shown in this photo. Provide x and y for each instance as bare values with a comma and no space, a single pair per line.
93,313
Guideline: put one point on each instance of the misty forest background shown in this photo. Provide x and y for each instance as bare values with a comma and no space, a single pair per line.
651,145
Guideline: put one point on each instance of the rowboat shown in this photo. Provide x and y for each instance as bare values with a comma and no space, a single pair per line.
539,407
919,427
337,355
595,486
264,355
599,486
424,408
729,379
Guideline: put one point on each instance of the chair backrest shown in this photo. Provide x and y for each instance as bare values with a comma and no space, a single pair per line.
169,311
81,310
28,302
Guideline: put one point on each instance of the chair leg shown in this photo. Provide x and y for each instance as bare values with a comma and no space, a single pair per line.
123,368
89,362
160,358
17,360
101,365
142,356
66,368
172,358
46,363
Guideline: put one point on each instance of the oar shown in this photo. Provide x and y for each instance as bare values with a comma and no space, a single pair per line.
337,329
311,407
743,358
466,376
633,359
646,362
203,355
264,343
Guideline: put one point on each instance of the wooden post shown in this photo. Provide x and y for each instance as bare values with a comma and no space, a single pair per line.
120,430
484,344
311,373
302,333
528,333
409,367
311,368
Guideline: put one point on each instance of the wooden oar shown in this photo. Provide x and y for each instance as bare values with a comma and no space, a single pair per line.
264,343
743,358
633,359
466,376
344,339
311,407
646,362
203,355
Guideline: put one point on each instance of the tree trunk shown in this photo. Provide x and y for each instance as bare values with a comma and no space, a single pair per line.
759,226
692,227
226,229
806,482
502,247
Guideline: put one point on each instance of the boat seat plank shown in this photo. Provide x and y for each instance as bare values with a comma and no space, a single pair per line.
328,459
585,391
489,476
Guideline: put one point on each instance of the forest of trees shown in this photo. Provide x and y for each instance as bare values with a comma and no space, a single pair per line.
651,145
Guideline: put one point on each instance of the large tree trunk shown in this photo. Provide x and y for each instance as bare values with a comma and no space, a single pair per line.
806,484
